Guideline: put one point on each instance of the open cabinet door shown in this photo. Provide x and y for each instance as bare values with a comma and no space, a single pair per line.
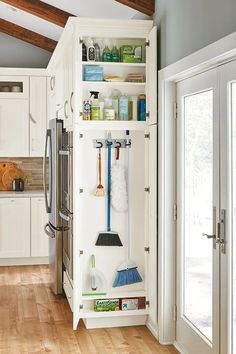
151,76
152,229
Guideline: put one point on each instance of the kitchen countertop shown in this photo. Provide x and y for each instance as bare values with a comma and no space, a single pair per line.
25,194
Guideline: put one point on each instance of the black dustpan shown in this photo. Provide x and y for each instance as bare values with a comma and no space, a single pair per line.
108,237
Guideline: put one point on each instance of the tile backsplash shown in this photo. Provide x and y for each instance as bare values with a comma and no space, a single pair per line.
33,169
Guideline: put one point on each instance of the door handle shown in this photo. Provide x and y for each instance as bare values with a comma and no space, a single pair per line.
209,236
48,231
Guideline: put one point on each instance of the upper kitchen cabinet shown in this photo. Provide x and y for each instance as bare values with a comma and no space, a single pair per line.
14,87
38,115
14,127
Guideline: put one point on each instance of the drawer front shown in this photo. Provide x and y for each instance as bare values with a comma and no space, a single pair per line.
68,290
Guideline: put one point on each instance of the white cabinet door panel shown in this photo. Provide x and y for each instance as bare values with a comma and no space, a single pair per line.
39,240
38,115
14,128
14,227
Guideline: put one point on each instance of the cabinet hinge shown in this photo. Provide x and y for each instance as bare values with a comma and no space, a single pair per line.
81,252
147,44
147,303
147,249
81,307
175,212
175,313
81,135
147,189
147,136
148,115
81,191
81,41
175,110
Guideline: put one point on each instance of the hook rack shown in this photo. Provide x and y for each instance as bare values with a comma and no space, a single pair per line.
115,143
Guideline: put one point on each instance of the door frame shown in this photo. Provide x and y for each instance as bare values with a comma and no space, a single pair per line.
214,55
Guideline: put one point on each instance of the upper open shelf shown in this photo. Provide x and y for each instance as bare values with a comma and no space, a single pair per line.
115,64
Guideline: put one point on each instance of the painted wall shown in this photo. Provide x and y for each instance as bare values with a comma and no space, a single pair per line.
186,26
16,53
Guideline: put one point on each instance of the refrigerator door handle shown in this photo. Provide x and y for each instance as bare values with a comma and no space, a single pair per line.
48,203
49,231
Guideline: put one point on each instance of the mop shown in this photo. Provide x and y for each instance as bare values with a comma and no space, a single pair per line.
127,273
108,237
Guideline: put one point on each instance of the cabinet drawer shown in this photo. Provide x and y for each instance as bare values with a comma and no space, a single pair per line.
68,289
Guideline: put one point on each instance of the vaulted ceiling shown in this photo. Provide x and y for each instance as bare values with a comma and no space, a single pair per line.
41,22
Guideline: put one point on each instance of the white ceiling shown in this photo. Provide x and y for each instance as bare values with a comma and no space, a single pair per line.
81,8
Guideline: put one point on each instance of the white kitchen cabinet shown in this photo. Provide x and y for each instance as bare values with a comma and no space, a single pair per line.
38,115
68,64
143,198
14,227
14,86
39,240
14,127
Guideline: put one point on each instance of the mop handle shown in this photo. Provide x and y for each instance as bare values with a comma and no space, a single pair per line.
109,187
128,194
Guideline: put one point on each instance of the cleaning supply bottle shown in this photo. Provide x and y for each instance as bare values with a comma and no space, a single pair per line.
124,107
84,52
95,107
97,52
106,54
115,54
133,108
115,102
109,111
101,105
91,52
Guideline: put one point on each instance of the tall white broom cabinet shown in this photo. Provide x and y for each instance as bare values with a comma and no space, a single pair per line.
89,211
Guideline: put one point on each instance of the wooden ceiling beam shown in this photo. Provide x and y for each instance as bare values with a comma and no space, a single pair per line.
27,36
145,6
41,9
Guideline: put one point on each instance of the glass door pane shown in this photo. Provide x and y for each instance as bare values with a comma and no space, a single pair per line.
198,211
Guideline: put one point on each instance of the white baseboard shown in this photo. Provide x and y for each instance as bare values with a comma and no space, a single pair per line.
153,329
179,348
24,261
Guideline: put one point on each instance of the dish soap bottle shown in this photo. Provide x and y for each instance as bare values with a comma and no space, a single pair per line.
95,107
115,54
91,52
106,54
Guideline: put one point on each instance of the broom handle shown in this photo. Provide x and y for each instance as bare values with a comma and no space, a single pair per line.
109,188
128,195
99,167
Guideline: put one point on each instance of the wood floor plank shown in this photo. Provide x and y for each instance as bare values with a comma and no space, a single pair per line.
33,320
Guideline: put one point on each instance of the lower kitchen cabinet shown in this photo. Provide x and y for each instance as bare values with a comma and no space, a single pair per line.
14,227
39,240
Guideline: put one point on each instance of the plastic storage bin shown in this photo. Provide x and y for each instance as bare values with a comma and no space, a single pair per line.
93,73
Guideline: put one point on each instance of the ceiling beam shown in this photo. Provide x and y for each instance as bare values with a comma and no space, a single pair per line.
145,6
27,36
42,10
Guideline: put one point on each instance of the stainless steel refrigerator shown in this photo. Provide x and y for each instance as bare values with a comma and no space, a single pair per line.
52,191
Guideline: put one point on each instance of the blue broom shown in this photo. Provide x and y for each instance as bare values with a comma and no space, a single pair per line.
127,273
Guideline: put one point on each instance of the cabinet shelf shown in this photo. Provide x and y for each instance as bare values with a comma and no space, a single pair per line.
116,64
125,294
95,314
112,125
114,83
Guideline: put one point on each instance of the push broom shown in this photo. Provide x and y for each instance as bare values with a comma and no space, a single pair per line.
108,237
127,273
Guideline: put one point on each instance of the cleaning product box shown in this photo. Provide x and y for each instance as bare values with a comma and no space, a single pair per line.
93,73
107,305
129,304
131,54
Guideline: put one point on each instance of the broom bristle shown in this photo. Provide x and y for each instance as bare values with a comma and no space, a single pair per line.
126,277
100,191
107,238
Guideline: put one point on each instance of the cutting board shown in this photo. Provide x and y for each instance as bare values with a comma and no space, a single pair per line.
4,165
11,172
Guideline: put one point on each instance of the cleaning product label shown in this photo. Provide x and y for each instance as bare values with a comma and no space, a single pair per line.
95,112
109,114
87,110
124,108
107,305
129,304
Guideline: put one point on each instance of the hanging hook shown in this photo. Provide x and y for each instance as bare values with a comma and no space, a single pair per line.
99,144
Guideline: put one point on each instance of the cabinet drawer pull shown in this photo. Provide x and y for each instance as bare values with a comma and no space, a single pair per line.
65,109
71,105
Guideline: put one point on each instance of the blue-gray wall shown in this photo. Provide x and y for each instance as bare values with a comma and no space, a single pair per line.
19,54
188,25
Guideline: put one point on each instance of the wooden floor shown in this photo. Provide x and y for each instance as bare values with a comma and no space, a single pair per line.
33,320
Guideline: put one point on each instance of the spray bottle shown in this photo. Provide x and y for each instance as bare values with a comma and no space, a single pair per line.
95,107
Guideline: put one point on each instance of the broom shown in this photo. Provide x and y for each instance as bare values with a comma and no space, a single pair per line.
99,191
108,237
127,273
